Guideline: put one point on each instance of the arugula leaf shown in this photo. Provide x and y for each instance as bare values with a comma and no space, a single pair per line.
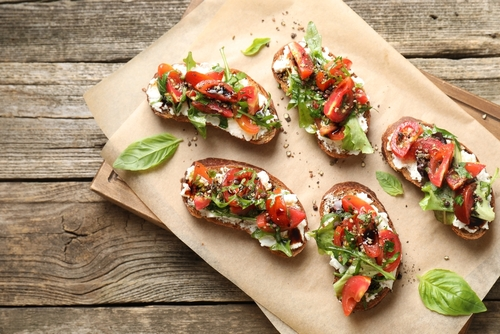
440,199
389,183
282,245
257,44
199,121
189,61
446,292
314,41
355,138
147,153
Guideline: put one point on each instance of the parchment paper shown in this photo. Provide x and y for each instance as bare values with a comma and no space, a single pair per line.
299,290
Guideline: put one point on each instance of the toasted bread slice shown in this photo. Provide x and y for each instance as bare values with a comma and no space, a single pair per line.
164,108
283,66
247,223
409,172
331,203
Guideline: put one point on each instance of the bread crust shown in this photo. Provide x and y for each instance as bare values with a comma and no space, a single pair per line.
282,79
267,137
216,163
389,158
339,190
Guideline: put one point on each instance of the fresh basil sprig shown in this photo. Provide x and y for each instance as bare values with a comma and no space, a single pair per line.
257,44
389,183
147,153
447,293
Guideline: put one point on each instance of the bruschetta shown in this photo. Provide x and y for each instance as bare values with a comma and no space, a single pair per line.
330,98
364,248
218,96
456,185
244,197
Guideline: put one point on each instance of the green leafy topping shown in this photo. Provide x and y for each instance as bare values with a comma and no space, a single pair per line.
435,198
282,245
189,61
355,138
447,293
147,153
199,121
389,183
257,44
314,41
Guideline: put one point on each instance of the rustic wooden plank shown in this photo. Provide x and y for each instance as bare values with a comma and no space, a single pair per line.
115,31
232,318
49,148
61,244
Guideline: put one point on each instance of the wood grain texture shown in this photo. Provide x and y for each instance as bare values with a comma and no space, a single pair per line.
62,244
70,261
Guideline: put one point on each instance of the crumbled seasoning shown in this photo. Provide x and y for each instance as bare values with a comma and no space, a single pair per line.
286,145
446,258
293,35
287,117
315,206
484,116
288,154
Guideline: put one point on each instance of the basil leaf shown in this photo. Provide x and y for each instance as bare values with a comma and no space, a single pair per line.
389,183
147,153
256,45
189,61
446,292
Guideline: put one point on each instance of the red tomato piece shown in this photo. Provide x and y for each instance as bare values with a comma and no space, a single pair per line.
440,163
201,202
323,81
354,289
339,67
474,168
339,235
389,236
354,204
194,77
296,216
277,209
405,135
201,171
340,102
214,107
218,90
338,134
303,59
454,180
174,82
250,94
240,178
464,209
247,125
264,223
371,242
360,96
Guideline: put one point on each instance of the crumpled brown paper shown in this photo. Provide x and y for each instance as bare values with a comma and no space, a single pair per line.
299,291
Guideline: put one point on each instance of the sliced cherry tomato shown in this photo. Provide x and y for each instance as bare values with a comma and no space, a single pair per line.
454,180
201,202
385,236
405,135
194,77
174,82
371,242
250,94
440,163
218,90
214,107
340,102
354,204
247,125
277,209
264,222
339,235
164,68
338,134
354,289
339,67
425,145
303,59
474,168
360,96
201,171
296,216
463,209
323,81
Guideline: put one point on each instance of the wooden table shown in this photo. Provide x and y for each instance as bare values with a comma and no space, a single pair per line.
71,261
